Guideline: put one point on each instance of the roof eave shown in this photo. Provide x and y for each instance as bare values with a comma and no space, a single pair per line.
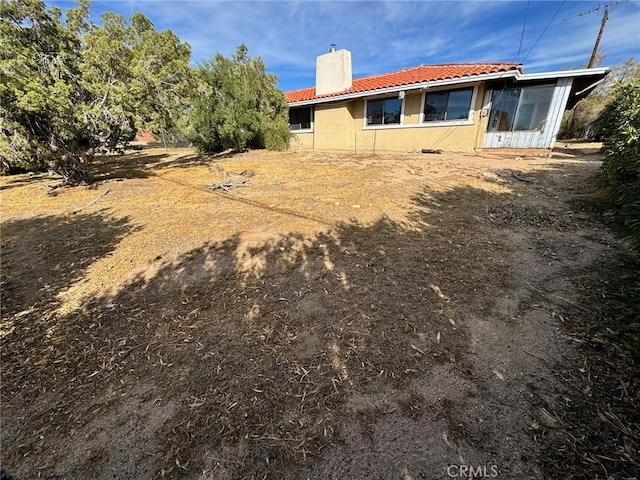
600,71
412,86
585,72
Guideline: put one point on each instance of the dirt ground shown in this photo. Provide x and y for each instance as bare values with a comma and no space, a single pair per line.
338,316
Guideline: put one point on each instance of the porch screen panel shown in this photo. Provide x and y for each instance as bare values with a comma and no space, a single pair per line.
533,108
520,109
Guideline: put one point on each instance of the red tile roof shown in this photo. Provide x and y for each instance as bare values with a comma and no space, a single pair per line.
408,76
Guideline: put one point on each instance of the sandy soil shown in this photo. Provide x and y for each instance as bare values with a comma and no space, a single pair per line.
338,316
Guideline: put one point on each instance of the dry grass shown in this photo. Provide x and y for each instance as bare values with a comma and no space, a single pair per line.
163,328
163,195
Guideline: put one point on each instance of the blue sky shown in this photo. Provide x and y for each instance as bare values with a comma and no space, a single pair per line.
384,36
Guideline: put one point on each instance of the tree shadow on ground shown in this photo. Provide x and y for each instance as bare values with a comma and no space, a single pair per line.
253,354
139,164
21,179
129,165
258,349
44,256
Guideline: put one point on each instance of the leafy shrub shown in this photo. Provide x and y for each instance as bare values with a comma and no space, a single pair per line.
620,173
237,105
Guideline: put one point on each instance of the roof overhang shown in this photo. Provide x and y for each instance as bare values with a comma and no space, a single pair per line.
584,81
583,72
408,87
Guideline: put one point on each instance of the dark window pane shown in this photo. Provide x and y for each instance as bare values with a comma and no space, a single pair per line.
459,104
503,109
375,109
435,106
299,118
392,109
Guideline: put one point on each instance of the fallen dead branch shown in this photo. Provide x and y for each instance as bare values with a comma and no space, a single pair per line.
98,197
230,179
226,185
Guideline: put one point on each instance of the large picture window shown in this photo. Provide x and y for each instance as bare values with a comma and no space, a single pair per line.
520,109
386,111
300,118
447,105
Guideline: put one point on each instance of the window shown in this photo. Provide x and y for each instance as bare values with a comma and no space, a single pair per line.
384,112
447,105
300,118
520,109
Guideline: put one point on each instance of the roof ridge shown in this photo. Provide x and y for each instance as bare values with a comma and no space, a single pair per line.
469,63
422,65
299,89
413,75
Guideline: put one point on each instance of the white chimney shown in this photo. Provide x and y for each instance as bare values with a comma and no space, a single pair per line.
333,71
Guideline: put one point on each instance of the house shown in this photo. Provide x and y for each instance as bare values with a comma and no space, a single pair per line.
455,107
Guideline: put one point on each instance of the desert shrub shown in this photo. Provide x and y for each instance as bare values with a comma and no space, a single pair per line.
620,172
237,105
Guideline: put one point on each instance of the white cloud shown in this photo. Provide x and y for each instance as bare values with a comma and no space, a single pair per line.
389,35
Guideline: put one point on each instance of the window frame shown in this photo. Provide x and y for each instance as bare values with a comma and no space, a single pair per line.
458,121
519,105
311,122
375,126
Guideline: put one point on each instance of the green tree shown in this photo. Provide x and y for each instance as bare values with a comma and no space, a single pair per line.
162,80
620,172
71,90
237,105
39,89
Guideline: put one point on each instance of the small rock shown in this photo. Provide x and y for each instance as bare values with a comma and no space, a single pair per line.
490,177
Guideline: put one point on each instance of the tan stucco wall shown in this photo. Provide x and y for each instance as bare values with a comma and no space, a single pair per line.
412,106
302,140
334,126
341,127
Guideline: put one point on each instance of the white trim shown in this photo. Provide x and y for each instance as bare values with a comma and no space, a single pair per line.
563,74
556,111
451,123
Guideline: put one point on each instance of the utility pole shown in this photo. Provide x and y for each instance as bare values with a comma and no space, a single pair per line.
594,54
592,60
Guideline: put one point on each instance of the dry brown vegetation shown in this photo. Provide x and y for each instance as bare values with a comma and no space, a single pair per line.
339,316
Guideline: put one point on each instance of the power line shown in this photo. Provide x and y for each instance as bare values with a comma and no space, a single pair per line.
596,9
545,29
523,27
